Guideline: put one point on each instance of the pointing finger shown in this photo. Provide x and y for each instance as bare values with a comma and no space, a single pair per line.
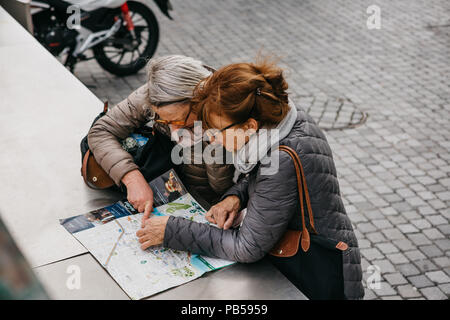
147,211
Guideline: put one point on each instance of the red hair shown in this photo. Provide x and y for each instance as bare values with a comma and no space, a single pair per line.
241,91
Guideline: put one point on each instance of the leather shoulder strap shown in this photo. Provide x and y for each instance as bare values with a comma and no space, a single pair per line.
302,187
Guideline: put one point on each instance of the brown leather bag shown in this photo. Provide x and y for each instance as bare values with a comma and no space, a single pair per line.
93,174
289,243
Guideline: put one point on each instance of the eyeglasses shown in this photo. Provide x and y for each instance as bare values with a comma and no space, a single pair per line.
213,135
178,123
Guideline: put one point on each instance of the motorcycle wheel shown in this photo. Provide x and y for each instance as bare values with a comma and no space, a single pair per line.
115,57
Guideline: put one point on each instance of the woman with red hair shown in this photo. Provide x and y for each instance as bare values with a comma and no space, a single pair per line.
247,106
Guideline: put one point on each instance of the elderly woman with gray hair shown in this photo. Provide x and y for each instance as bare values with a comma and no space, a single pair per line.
166,96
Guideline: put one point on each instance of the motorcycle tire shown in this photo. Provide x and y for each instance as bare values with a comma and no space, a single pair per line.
107,62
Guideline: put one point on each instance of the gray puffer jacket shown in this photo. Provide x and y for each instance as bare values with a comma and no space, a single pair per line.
273,206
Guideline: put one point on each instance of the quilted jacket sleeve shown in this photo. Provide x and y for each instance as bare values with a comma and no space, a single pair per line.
118,123
269,211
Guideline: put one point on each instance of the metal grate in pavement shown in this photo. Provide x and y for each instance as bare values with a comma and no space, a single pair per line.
332,113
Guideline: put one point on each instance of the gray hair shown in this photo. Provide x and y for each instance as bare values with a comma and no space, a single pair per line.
172,78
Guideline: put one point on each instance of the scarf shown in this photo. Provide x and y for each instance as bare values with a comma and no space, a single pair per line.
259,144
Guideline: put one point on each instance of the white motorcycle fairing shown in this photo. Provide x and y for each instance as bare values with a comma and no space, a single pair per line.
89,5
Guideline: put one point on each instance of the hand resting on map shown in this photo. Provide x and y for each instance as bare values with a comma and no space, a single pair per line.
224,213
152,232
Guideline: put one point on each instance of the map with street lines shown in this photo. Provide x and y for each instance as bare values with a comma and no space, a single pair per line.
110,236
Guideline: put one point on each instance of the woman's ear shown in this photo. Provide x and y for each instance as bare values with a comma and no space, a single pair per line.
252,124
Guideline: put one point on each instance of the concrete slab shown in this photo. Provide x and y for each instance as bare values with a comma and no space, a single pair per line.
242,281
44,113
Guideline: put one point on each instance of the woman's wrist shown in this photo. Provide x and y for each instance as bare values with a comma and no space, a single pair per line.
131,177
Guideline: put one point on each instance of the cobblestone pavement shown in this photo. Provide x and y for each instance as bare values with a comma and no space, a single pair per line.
394,170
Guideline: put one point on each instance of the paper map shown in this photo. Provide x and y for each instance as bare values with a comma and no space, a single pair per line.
110,236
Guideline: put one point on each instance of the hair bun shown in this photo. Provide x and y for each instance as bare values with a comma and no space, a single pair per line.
273,75
278,84
241,91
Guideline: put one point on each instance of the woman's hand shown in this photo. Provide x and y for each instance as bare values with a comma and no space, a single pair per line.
224,213
139,193
152,233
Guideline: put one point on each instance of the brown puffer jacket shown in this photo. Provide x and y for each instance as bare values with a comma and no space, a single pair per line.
210,181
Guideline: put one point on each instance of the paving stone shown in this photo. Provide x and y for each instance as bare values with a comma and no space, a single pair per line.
426,195
420,281
436,220
356,217
373,214
366,227
408,291
417,187
371,253
369,295
445,288
421,223
364,206
426,210
411,215
364,243
392,234
415,255
389,211
425,265
404,244
382,223
385,266
397,258
445,229
437,204
433,293
438,277
431,251
444,196
436,187
442,262
386,247
393,198
426,180
397,220
415,201
445,182
407,228
405,193
376,237
419,239
401,206
385,290
443,244
446,212
433,234
395,278
392,298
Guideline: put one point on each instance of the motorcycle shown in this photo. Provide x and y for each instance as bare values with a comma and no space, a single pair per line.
123,35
